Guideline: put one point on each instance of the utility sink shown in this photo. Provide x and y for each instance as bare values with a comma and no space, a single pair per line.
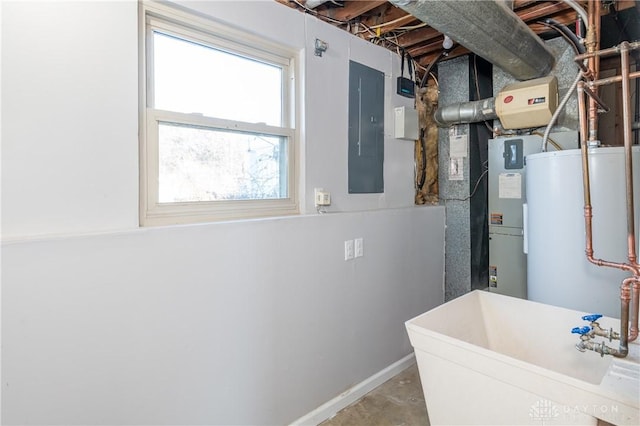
485,358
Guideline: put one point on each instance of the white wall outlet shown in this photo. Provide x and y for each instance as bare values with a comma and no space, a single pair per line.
322,197
359,247
348,250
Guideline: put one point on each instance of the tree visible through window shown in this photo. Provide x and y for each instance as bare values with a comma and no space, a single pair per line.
219,141
199,164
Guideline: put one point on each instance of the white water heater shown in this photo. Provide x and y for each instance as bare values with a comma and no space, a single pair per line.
558,272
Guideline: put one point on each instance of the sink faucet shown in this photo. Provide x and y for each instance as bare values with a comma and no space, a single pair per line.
588,332
585,343
599,331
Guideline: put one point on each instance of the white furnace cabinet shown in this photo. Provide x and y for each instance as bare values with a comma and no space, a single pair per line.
507,195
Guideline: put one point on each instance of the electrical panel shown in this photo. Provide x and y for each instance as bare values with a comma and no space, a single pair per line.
366,129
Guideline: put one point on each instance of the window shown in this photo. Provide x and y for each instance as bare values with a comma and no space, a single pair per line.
218,137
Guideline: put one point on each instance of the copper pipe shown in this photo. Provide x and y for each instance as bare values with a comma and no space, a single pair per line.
596,98
593,43
593,120
597,21
614,79
630,287
626,120
625,298
585,161
606,52
635,306
586,184
631,234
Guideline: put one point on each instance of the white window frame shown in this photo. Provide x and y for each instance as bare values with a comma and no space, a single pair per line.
154,15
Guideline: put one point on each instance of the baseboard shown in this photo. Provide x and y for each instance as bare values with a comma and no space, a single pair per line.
348,397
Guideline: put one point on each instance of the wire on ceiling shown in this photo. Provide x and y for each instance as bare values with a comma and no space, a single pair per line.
387,40
319,15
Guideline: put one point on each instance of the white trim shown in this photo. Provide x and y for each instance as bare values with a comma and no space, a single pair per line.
218,39
348,397
174,13
159,115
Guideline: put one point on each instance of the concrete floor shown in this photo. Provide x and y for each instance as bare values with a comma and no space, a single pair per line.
397,402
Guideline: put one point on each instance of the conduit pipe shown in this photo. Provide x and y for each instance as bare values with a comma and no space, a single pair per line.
556,113
584,70
579,10
488,28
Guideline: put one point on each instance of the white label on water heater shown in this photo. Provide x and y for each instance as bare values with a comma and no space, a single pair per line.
510,185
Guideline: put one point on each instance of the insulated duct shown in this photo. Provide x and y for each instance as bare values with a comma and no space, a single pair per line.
489,29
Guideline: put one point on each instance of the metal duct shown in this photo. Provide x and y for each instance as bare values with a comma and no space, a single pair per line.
489,29
466,112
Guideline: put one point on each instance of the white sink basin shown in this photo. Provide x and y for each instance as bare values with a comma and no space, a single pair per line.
485,358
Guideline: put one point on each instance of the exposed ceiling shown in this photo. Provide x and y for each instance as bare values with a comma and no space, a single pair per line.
383,23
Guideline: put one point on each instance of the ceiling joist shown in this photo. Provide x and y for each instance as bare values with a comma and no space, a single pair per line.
385,24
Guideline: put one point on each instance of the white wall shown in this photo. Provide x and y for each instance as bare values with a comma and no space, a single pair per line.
70,103
69,123
254,322
249,323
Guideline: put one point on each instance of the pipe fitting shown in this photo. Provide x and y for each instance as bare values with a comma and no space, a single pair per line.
596,330
600,348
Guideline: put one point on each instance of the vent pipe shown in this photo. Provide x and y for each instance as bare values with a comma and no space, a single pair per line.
466,112
489,29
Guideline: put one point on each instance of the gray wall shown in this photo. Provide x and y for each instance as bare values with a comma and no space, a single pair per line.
252,322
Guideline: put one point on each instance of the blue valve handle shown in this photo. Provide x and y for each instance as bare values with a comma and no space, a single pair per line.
592,317
581,330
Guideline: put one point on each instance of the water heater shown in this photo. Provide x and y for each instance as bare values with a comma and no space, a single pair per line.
558,272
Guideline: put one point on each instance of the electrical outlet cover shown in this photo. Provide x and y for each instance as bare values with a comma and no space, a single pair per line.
359,247
348,250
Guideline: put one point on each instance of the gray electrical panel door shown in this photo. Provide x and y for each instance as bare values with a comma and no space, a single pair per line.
366,129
